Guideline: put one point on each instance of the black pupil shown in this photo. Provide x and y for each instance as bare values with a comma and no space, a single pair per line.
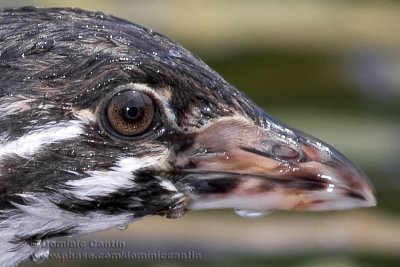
132,113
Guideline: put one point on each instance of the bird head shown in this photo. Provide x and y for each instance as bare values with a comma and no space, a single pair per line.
104,122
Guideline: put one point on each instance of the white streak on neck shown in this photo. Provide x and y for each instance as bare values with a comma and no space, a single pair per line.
103,183
30,143
39,215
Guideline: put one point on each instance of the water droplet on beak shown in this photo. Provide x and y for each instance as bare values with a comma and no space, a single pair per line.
252,213
122,227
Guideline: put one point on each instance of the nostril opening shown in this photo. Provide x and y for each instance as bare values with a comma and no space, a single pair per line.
285,152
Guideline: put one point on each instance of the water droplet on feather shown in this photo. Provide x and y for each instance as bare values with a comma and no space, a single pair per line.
36,243
99,15
41,251
175,52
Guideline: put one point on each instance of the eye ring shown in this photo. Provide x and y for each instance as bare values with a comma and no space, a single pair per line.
128,114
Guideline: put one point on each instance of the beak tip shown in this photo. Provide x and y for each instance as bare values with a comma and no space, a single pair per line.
370,199
363,197
367,191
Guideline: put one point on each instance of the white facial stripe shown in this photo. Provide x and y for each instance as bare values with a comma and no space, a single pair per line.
28,144
103,183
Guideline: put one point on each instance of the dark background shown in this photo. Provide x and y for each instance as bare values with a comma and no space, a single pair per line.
330,68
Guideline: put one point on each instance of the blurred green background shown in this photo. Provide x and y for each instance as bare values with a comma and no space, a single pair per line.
330,68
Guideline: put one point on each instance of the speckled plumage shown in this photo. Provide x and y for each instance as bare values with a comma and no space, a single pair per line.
55,62
209,147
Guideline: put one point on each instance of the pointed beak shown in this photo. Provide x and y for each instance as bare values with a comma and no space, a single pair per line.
234,163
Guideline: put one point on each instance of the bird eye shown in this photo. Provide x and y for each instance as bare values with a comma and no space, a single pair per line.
130,113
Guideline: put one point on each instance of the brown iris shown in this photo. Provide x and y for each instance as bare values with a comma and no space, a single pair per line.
130,113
